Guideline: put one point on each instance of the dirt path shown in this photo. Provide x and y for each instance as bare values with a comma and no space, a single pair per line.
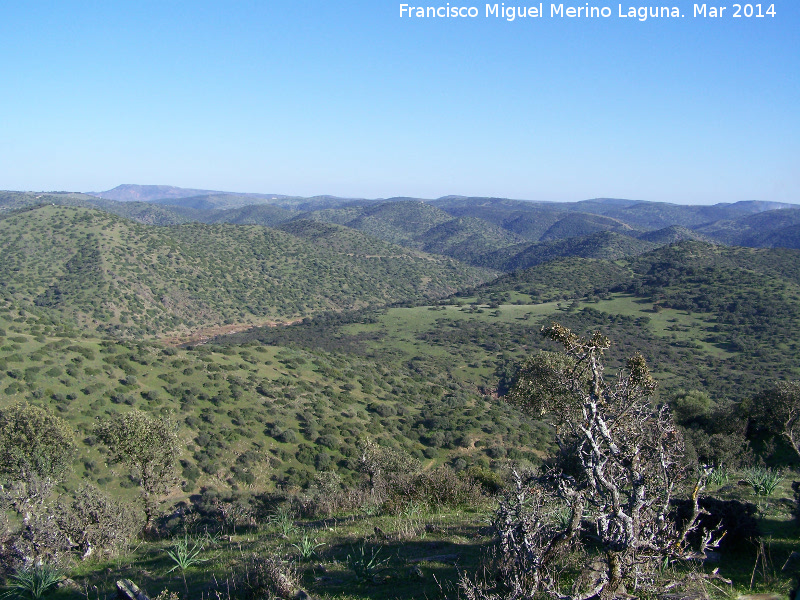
201,336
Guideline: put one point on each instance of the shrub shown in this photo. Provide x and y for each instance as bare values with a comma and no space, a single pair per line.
149,446
440,487
762,480
287,437
33,581
490,482
36,451
329,441
268,578
737,519
96,522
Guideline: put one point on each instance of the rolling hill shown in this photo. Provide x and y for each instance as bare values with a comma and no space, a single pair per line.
483,232
130,279
605,244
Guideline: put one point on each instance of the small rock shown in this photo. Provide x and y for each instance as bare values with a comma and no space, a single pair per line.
127,590
68,584
691,592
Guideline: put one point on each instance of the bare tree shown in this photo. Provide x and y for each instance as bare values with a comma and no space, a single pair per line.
618,468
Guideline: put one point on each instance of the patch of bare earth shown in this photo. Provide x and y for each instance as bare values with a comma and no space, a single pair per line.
201,336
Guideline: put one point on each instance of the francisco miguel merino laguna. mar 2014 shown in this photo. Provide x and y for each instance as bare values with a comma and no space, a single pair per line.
511,13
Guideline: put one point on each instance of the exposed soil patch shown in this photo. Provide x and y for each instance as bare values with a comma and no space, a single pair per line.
201,336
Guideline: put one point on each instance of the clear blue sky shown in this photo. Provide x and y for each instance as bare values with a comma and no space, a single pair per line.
345,97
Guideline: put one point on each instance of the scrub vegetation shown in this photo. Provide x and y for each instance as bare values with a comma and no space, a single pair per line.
348,405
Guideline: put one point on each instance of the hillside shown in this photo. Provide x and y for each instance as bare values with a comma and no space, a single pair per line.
129,279
267,215
604,244
785,237
467,239
636,214
580,224
657,215
421,226
270,420
753,230
400,222
673,234
722,319
559,279
272,405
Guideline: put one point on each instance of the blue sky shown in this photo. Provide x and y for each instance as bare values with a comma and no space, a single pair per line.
322,97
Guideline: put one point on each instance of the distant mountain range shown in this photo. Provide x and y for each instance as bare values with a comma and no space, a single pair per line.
496,233
211,199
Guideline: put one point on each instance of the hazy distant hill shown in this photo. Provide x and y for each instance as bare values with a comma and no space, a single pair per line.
218,201
657,215
211,199
490,232
637,214
11,200
148,193
753,230
143,212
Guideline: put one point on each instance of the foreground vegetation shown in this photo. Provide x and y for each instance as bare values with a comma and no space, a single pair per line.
397,530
